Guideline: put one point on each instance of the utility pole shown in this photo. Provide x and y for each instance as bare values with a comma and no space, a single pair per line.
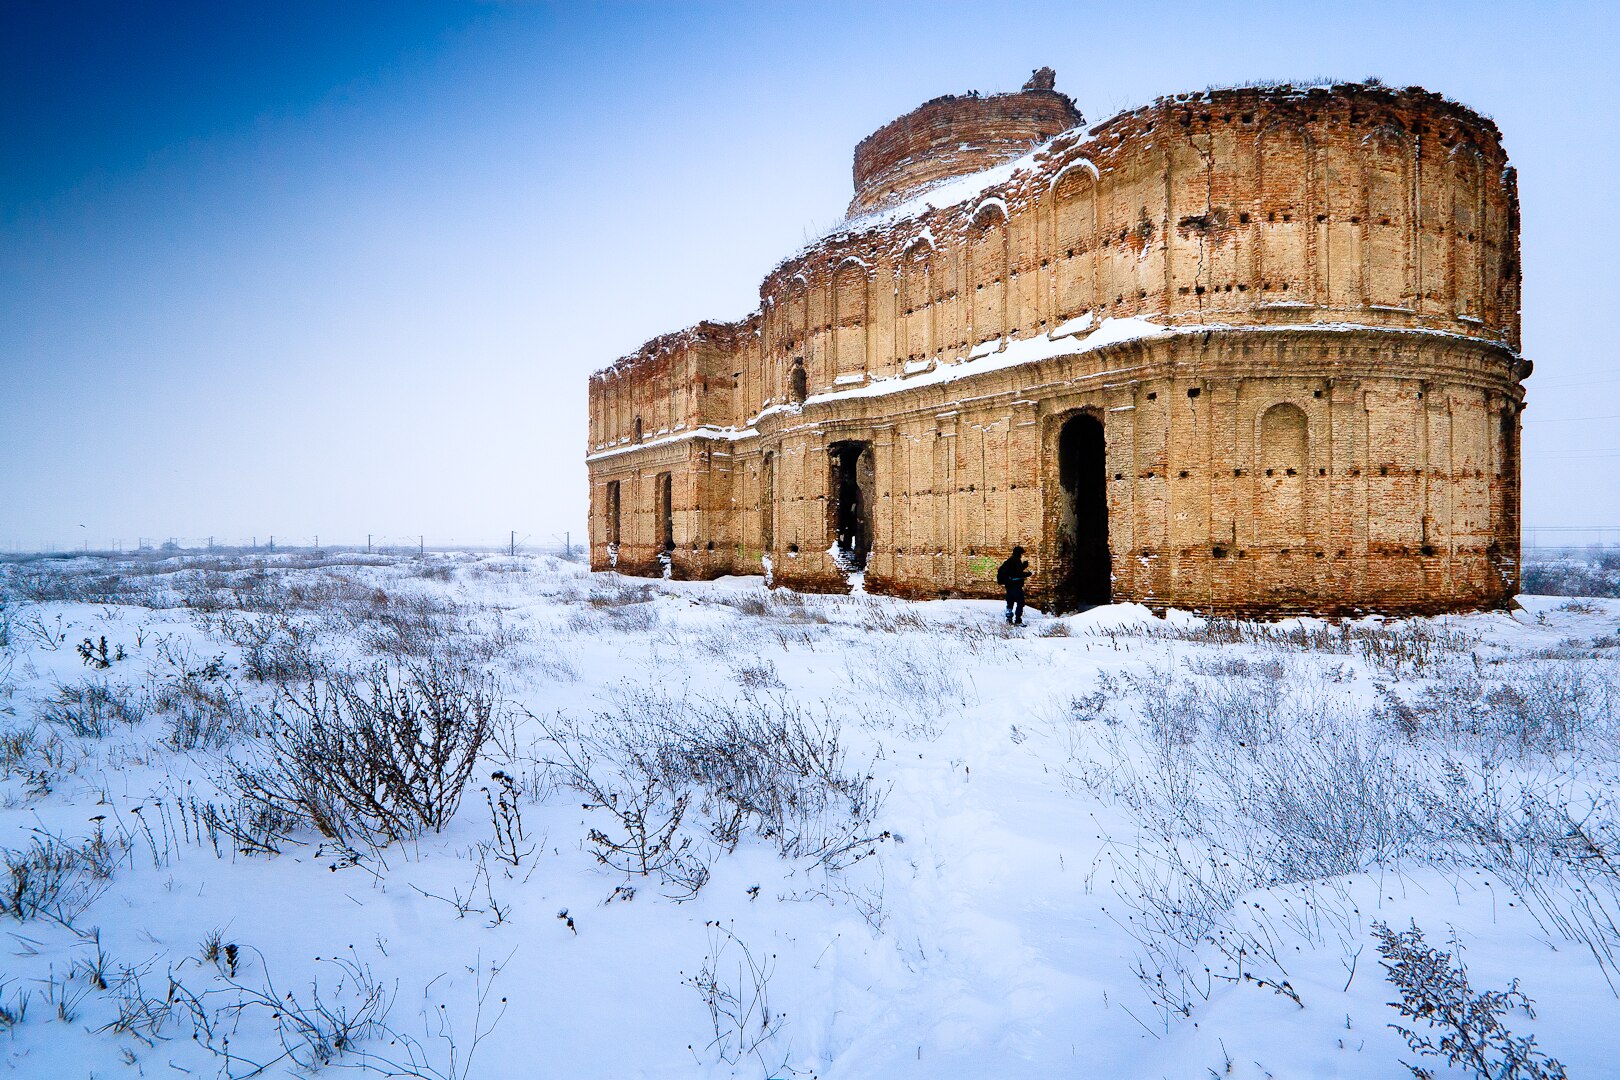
368,543
511,547
421,546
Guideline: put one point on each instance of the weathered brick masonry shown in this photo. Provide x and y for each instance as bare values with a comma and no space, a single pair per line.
1308,398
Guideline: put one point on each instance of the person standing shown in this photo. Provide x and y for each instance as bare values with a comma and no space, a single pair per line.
1011,576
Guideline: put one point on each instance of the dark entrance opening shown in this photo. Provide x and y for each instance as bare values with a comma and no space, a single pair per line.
767,504
613,512
1085,573
664,502
852,480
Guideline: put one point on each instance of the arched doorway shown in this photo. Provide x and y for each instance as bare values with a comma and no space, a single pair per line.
851,483
1084,573
664,507
767,503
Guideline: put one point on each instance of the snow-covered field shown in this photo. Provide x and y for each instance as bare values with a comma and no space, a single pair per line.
713,830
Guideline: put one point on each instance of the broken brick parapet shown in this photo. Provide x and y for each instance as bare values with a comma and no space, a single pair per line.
951,136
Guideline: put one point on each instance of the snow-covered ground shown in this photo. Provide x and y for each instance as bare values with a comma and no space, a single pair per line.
884,839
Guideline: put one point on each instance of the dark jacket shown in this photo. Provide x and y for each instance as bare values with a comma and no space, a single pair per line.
1012,574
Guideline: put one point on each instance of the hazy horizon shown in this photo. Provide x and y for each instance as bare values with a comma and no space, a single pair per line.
338,270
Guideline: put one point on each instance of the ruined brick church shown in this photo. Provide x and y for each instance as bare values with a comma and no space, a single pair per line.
1242,351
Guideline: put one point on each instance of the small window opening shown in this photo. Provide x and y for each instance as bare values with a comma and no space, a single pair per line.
797,382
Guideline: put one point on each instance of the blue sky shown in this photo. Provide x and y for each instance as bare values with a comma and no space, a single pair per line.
340,269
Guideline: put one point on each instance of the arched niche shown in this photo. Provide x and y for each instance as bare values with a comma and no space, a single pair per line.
1468,230
1074,207
987,270
1285,167
917,294
1387,173
1283,456
849,316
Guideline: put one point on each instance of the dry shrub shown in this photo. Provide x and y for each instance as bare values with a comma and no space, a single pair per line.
56,878
671,771
92,708
375,757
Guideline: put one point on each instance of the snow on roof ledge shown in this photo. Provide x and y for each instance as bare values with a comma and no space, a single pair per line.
1019,352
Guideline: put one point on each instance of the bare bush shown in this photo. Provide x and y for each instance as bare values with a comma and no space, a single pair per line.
739,1005
646,810
275,648
1550,839
433,568
888,617
401,623
92,708
1236,789
319,1027
249,826
612,591
1591,573
197,698
761,764
57,878
377,757
1555,707
659,764
1542,707
1410,647
918,681
1434,989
